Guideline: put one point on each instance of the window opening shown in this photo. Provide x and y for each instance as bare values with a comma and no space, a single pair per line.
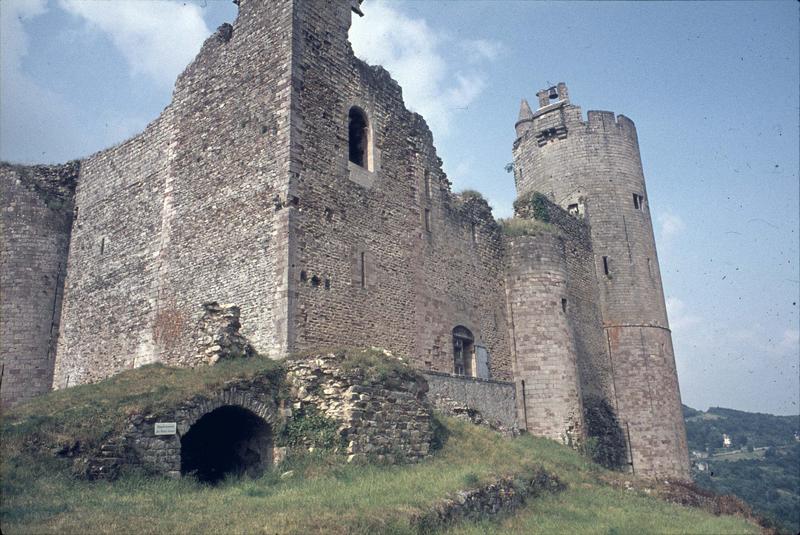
102,245
638,201
427,220
474,230
303,276
427,184
573,209
363,270
564,305
524,406
605,265
463,351
358,135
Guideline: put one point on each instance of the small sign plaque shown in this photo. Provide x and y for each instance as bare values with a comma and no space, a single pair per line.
166,428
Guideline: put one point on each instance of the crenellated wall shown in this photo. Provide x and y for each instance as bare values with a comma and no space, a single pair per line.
37,213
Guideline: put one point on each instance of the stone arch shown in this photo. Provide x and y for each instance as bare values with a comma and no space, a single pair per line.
359,138
265,409
228,441
248,421
463,351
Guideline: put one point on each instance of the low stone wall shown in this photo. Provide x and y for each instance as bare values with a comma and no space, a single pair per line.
482,401
503,495
386,418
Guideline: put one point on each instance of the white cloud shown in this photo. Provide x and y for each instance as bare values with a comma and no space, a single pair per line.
13,39
790,343
36,124
671,225
414,54
158,39
680,319
477,49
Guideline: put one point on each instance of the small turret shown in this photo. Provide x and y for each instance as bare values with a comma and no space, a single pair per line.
524,119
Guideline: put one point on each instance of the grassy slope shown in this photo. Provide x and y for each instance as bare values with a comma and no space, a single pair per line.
39,495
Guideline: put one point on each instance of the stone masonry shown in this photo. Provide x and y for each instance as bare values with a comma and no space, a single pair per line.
37,220
288,179
387,418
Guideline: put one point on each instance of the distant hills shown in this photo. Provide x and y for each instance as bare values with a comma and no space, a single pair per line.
760,464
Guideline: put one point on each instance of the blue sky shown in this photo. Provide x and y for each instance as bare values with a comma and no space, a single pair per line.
712,87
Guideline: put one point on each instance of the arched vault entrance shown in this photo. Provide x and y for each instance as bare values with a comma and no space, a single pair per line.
229,440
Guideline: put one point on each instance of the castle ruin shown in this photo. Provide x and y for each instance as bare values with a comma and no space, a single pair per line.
288,178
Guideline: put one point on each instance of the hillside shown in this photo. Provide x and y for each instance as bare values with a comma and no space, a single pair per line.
311,492
761,465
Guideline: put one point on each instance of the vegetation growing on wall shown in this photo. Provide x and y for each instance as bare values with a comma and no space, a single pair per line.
606,441
309,429
533,204
526,227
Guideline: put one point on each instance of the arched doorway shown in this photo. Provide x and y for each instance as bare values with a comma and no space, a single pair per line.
463,351
229,440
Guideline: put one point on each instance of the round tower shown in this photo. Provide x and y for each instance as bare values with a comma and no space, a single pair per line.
545,362
592,169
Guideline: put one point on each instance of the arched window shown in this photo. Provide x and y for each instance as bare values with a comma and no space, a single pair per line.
359,137
463,351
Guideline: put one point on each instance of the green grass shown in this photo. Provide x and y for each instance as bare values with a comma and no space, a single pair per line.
325,495
90,413
526,227
592,509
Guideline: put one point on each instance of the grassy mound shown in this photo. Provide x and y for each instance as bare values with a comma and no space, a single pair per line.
88,414
322,494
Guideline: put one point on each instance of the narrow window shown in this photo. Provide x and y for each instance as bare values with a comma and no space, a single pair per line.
363,270
605,265
638,201
102,245
358,132
427,184
564,306
524,406
474,229
427,220
649,268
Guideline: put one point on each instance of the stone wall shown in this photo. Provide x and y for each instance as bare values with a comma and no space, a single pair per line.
583,295
382,416
37,213
549,397
492,402
195,209
386,254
